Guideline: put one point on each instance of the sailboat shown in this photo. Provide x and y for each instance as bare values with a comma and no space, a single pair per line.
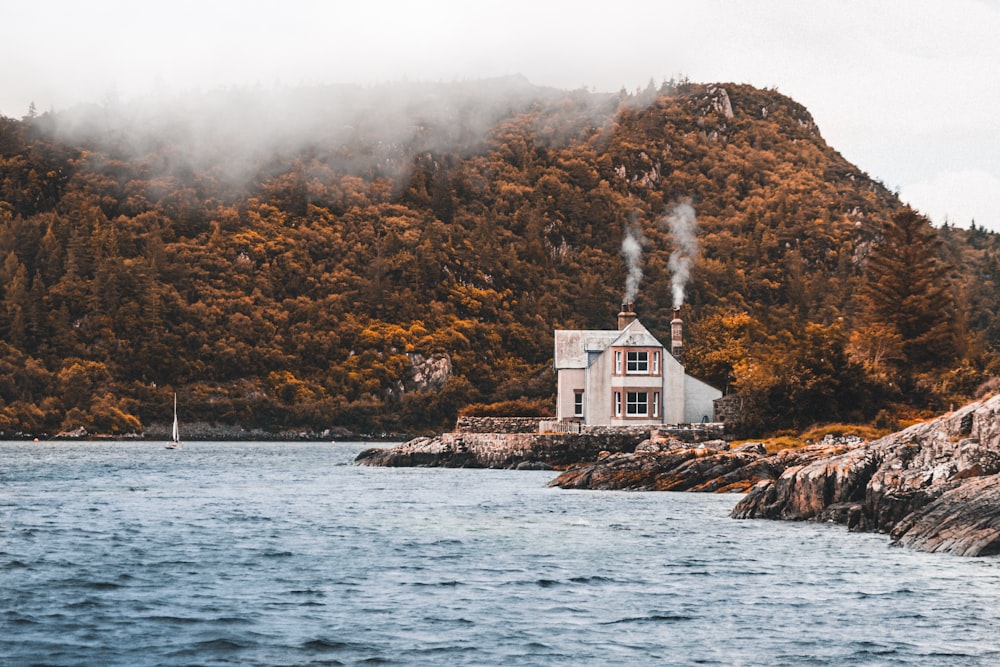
175,440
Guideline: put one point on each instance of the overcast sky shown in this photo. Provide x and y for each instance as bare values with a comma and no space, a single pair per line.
906,89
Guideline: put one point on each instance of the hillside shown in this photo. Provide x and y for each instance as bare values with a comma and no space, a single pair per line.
381,259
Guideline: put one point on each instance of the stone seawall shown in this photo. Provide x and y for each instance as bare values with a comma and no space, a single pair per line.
504,450
498,424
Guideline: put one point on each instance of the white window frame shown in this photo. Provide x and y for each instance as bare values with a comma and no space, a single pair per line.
633,403
656,404
618,362
656,362
637,362
578,403
618,404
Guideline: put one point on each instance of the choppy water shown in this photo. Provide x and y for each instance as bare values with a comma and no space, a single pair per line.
286,554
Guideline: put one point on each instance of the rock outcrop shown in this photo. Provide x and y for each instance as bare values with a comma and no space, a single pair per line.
706,467
934,486
964,521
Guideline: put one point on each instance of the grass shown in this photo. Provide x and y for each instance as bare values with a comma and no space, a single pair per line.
794,440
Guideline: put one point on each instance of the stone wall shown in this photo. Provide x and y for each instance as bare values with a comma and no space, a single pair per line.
554,426
503,450
728,408
641,432
689,433
498,424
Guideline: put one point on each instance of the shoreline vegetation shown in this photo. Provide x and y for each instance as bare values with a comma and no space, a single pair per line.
217,433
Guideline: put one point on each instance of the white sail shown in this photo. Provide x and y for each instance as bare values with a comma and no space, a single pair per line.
175,440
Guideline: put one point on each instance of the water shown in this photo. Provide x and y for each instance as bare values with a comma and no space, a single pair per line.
286,554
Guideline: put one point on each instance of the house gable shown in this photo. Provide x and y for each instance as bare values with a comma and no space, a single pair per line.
635,335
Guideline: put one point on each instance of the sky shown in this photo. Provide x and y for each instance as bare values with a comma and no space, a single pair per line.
905,89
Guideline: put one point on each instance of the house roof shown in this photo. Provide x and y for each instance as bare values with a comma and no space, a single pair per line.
572,346
635,335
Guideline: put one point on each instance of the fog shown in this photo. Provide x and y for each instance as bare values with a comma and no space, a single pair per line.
354,129
900,87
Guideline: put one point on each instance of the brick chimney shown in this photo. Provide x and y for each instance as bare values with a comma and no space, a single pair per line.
627,315
677,335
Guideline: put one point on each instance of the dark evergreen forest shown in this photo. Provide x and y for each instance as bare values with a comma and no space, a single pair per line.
381,260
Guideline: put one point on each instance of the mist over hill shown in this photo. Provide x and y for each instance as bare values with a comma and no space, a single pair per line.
380,258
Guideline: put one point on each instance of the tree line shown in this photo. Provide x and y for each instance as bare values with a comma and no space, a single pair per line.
385,287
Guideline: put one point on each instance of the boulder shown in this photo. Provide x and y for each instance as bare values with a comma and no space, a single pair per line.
964,521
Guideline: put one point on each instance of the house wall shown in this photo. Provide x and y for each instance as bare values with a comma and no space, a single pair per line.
603,382
597,400
699,400
569,380
673,391
624,384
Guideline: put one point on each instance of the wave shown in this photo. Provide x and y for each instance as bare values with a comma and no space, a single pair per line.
652,618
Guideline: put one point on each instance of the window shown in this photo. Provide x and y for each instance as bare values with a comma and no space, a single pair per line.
636,403
618,404
656,363
578,404
656,404
637,361
618,362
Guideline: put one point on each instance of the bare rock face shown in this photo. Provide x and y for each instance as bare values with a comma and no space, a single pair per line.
427,372
928,484
964,521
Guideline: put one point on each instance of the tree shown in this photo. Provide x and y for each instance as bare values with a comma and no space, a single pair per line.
907,306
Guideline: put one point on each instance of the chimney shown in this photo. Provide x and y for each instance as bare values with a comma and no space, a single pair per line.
627,315
677,335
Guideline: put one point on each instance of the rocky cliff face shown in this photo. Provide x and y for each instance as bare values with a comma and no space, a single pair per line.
935,486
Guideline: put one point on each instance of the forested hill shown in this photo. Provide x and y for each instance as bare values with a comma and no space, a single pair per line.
380,259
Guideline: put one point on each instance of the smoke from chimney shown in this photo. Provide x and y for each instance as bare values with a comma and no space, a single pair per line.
632,244
682,224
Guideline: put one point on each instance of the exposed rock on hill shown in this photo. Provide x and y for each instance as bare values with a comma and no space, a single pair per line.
934,485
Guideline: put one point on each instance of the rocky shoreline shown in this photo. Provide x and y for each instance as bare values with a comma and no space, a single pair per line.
934,486
709,467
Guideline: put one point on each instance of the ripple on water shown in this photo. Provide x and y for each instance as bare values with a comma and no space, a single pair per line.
651,618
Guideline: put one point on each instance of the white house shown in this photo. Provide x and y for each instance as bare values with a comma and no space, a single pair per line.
627,377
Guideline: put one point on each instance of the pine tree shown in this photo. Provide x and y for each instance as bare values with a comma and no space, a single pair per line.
906,297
